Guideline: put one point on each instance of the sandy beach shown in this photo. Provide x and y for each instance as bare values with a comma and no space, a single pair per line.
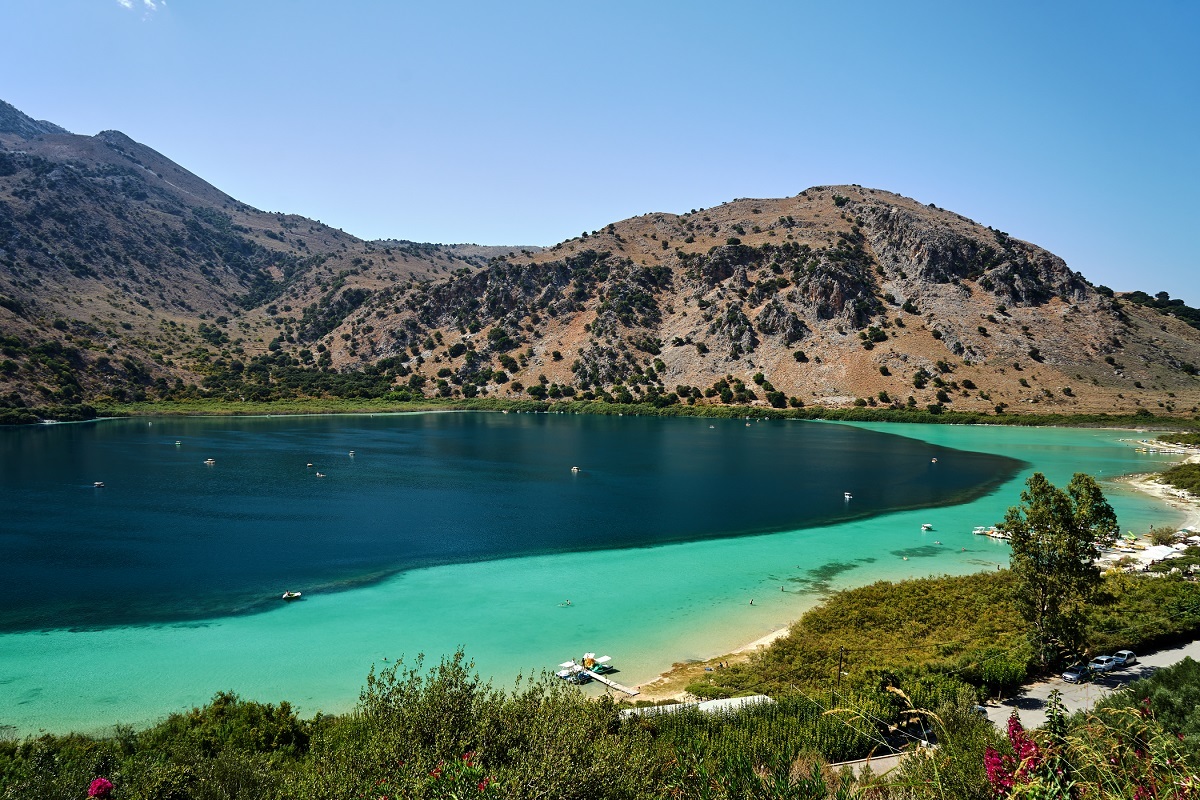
671,685
1148,483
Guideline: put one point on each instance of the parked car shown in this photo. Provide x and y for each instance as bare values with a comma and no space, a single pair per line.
1124,658
980,710
1102,664
1077,673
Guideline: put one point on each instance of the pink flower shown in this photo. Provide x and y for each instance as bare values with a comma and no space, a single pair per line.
1029,757
999,771
100,787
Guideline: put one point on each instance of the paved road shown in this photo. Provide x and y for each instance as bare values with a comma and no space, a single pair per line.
1031,702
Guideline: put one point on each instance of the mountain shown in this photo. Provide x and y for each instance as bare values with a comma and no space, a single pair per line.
14,122
123,275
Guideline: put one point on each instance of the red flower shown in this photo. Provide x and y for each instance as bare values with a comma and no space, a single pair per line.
100,787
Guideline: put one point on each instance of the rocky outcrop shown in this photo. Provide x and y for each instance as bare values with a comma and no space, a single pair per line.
934,248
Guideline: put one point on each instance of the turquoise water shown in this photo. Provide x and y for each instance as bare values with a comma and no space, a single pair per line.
203,518
649,605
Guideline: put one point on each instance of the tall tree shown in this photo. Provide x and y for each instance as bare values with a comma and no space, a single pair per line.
1054,539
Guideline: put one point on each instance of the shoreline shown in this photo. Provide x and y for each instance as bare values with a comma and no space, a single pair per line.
211,407
1147,483
671,684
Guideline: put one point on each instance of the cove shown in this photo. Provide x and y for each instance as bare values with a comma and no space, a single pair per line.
648,604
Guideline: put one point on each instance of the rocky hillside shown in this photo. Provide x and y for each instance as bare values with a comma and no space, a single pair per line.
837,296
123,275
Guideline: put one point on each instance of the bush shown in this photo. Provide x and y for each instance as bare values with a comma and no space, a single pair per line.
1185,477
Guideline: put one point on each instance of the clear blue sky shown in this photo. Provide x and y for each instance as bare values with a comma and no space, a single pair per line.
1074,125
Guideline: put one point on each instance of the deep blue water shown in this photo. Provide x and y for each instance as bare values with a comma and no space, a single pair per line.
168,538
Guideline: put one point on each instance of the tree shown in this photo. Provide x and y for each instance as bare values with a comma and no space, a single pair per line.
1054,538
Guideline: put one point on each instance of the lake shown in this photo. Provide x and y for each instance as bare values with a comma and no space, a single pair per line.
428,532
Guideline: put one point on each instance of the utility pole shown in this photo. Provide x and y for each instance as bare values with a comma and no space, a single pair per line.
841,658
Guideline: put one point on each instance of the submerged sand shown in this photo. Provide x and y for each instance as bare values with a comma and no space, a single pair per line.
671,685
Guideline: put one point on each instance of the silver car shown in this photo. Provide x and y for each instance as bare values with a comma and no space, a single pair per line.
1102,664
1076,673
1124,658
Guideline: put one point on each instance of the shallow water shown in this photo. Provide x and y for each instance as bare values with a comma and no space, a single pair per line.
648,605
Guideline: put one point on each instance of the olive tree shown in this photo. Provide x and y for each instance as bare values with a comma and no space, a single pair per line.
1054,538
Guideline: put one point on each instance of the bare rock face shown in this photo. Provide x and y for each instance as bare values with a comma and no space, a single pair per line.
934,249
776,319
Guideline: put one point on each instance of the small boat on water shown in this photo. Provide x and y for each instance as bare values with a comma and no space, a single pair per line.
99,484
928,526
178,443
574,469
848,496
578,671
210,461
289,596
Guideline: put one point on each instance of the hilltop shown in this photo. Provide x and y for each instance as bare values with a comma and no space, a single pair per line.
123,276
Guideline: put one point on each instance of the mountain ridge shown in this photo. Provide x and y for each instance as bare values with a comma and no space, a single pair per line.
125,276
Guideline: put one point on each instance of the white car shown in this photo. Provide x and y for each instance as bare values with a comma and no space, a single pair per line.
1101,664
1124,658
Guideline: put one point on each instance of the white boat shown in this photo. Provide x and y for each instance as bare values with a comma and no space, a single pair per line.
210,461
99,484
597,664
572,672
289,596
928,526
848,496
581,671
574,469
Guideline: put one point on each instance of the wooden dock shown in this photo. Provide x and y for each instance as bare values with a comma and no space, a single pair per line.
596,676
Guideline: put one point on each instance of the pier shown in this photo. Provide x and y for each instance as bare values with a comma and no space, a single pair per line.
596,676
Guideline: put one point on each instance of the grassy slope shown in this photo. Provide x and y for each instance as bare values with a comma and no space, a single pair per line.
965,626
